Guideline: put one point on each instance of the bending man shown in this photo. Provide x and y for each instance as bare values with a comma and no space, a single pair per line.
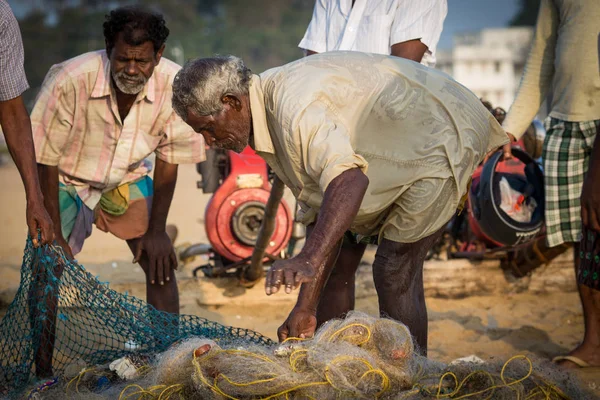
377,145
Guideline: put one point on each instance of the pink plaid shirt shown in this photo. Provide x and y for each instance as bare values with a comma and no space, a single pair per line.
76,126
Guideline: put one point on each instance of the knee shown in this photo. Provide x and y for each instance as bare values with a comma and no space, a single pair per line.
394,269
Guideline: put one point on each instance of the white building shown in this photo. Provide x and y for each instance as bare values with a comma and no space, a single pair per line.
490,62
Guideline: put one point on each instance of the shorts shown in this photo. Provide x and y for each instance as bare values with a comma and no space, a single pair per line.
566,155
422,210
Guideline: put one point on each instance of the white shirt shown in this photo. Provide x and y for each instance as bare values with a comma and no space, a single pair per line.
373,26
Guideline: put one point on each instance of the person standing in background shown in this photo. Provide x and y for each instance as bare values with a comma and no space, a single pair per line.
564,57
404,28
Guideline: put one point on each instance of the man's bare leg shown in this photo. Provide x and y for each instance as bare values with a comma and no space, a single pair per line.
398,276
589,349
338,296
162,297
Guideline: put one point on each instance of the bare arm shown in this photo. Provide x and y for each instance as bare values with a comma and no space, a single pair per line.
341,203
156,242
16,126
411,50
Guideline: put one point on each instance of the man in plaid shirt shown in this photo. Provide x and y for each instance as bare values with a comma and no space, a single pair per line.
16,124
565,56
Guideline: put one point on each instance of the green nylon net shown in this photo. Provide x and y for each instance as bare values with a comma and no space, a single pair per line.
64,314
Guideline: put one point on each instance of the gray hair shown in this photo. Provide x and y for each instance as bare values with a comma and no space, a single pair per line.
202,83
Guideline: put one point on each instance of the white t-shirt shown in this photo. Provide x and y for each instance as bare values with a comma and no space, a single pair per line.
373,26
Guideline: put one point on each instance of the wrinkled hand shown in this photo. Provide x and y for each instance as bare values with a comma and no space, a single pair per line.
160,253
506,149
60,241
38,218
290,272
301,323
590,200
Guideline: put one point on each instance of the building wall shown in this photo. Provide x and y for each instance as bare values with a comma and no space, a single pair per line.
489,62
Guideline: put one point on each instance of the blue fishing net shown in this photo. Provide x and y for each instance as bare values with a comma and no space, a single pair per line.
62,315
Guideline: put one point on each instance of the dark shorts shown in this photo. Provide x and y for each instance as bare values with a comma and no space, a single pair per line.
588,273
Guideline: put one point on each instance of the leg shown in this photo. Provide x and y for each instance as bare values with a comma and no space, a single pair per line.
589,349
338,296
398,276
162,297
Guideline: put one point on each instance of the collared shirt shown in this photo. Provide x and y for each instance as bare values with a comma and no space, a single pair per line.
77,126
397,120
12,73
564,56
373,26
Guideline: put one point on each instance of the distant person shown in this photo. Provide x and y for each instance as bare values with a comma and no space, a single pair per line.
16,124
564,57
404,28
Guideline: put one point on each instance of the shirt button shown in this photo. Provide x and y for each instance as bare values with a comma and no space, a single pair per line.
351,28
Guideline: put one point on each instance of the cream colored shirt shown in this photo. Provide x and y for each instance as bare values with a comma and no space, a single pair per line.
564,58
397,120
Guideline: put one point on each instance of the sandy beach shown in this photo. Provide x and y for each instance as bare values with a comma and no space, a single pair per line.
514,318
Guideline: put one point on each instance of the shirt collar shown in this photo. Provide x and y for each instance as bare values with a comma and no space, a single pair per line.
102,87
261,136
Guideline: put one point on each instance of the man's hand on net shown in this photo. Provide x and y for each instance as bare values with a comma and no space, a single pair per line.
291,273
38,218
161,256
301,323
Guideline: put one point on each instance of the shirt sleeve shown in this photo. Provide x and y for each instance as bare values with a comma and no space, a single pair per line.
538,73
326,148
423,20
13,81
180,144
315,38
53,115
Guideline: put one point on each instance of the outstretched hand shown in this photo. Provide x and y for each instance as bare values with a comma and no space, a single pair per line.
291,273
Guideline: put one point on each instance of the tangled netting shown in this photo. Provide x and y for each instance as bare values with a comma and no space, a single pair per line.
60,305
360,357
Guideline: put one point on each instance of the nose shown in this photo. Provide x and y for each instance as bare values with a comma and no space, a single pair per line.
131,68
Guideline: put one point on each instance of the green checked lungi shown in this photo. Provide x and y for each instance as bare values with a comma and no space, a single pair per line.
567,150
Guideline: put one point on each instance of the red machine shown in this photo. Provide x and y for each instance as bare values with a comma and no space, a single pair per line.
234,214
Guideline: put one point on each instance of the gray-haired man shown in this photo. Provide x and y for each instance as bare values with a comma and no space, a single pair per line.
377,145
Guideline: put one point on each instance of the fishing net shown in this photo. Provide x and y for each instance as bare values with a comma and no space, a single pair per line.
63,319
111,346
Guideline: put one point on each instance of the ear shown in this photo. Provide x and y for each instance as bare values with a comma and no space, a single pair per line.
159,53
233,101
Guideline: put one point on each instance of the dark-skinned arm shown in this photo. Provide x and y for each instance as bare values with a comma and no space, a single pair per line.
155,242
16,126
340,205
411,50
590,193
49,184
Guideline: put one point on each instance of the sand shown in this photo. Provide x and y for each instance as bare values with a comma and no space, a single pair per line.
494,326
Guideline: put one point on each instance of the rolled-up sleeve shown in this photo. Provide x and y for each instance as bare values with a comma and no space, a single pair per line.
315,38
180,144
326,146
423,20
53,115
13,81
